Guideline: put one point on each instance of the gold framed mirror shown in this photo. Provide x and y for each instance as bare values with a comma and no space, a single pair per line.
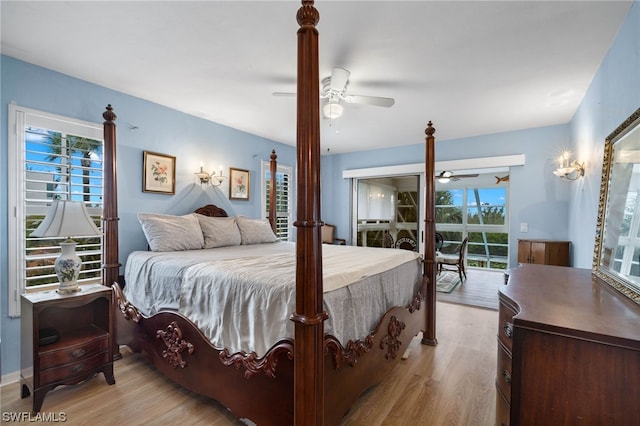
616,256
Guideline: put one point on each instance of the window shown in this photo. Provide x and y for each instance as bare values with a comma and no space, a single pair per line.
480,213
284,199
50,157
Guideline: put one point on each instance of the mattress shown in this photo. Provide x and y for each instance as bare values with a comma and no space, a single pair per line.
242,297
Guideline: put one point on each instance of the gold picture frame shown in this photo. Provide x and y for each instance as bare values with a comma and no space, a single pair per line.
159,173
239,180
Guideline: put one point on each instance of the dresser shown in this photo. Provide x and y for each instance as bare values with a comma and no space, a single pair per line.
568,350
65,339
543,252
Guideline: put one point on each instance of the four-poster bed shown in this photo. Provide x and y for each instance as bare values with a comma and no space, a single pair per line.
313,378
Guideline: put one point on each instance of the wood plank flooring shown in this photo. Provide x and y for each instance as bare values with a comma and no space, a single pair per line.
479,289
451,383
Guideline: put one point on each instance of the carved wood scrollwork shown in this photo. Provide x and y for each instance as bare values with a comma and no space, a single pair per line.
391,340
129,311
253,365
350,354
172,338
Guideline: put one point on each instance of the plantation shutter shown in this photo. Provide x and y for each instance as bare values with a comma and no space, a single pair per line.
52,157
283,201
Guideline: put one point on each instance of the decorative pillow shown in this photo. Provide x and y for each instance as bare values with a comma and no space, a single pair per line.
219,231
255,231
171,233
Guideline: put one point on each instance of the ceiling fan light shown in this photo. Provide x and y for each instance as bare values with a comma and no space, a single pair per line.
333,110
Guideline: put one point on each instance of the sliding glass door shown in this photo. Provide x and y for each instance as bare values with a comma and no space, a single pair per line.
475,208
387,212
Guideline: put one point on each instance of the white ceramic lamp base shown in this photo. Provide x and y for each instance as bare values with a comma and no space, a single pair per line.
67,267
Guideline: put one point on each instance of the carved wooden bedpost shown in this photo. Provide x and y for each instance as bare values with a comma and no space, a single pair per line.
273,170
429,271
309,317
110,264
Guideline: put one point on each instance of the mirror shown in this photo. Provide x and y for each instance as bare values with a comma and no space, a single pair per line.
616,258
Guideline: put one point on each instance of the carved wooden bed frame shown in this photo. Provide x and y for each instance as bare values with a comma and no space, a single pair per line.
326,377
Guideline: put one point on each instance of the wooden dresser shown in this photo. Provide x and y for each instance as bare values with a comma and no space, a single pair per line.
568,350
544,252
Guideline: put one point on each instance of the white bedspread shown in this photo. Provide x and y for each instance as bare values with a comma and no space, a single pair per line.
242,297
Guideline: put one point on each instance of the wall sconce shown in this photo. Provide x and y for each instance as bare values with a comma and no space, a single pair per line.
210,178
569,170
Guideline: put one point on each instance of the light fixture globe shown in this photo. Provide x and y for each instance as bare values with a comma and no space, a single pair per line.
332,110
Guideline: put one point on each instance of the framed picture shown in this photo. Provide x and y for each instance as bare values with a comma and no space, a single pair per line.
238,184
159,173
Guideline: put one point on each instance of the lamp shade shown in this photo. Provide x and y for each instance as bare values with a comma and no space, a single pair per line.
66,219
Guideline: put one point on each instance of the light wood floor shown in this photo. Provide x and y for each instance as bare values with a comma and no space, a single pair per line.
479,289
451,383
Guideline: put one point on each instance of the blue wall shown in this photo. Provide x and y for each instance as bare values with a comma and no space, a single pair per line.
159,129
613,96
553,209
537,197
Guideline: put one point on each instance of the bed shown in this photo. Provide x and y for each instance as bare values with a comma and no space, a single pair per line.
311,371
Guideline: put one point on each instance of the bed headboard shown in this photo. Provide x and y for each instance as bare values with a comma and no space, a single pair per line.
211,210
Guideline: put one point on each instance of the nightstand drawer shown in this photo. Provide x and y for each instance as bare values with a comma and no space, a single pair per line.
503,376
65,355
69,371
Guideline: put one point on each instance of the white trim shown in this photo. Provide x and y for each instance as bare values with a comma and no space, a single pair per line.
10,378
468,165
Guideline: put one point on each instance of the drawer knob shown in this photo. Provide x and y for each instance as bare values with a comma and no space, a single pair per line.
508,329
77,368
507,376
78,353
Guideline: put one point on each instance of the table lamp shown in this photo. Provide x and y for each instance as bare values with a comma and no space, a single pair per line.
67,219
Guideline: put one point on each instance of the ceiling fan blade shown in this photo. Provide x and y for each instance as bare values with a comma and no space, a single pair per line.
370,100
339,79
446,174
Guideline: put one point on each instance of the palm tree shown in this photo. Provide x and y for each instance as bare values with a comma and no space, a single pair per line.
75,144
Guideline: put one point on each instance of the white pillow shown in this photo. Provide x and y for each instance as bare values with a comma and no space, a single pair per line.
171,233
255,231
219,231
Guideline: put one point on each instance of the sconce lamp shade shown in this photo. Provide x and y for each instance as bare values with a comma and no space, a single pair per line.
67,219
210,178
569,170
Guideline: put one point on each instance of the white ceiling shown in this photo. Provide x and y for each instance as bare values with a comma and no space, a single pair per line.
472,67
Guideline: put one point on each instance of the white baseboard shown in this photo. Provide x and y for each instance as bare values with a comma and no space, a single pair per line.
7,379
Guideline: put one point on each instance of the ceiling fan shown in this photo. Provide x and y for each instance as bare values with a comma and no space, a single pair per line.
447,175
334,90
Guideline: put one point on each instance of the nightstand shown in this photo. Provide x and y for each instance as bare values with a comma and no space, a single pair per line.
65,339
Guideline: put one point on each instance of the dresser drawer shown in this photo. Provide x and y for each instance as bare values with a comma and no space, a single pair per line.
502,410
68,354
70,371
503,372
505,326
